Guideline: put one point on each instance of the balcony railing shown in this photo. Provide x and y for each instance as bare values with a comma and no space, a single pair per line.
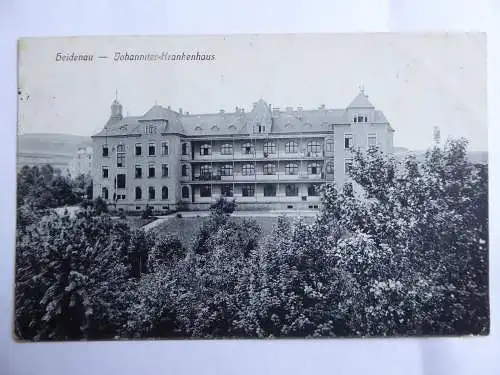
301,176
216,156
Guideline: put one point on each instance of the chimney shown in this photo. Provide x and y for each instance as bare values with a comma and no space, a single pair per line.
236,110
221,111
187,113
276,111
289,109
169,108
180,111
322,106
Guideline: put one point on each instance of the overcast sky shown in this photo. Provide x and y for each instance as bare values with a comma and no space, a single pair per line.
418,81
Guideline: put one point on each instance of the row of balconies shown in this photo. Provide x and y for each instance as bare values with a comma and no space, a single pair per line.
256,155
301,176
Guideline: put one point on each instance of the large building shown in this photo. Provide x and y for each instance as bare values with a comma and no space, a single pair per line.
81,163
265,158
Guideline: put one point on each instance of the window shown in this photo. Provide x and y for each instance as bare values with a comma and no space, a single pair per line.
330,166
138,193
291,169
138,171
291,147
205,191
120,156
164,170
291,190
150,128
269,169
138,149
151,149
151,193
248,149
269,190
313,168
269,148
313,190
313,147
226,190
329,145
105,193
360,118
164,192
184,171
185,192
120,160
348,143
206,171
105,172
226,149
206,150
366,118
184,149
120,181
372,139
151,171
226,170
347,166
248,190
164,148
248,170
105,150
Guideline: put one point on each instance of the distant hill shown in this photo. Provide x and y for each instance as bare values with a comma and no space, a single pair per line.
48,148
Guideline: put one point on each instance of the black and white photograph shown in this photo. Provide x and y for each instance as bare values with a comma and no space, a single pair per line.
268,186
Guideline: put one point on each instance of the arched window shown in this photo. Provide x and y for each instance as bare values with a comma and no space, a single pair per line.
269,148
185,192
248,149
164,192
206,170
248,170
215,128
138,193
313,147
291,190
226,149
198,129
291,147
151,193
232,127
313,168
206,149
291,168
226,170
105,193
269,169
329,145
184,170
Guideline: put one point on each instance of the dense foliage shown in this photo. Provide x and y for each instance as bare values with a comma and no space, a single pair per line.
400,250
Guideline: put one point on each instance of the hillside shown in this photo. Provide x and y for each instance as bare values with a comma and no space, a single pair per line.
45,148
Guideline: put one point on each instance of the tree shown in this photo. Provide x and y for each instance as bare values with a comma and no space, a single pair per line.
71,281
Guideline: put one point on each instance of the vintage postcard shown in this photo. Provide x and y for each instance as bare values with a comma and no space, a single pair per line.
252,186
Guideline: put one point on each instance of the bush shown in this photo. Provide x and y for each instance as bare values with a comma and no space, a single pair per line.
147,213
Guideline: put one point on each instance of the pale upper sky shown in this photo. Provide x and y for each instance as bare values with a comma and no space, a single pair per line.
418,80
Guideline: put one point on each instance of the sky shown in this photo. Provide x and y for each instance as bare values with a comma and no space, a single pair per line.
419,81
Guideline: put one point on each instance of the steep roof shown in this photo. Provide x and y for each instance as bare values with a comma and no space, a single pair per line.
361,101
240,122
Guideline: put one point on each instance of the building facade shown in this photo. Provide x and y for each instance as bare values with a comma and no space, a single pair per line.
265,158
81,163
